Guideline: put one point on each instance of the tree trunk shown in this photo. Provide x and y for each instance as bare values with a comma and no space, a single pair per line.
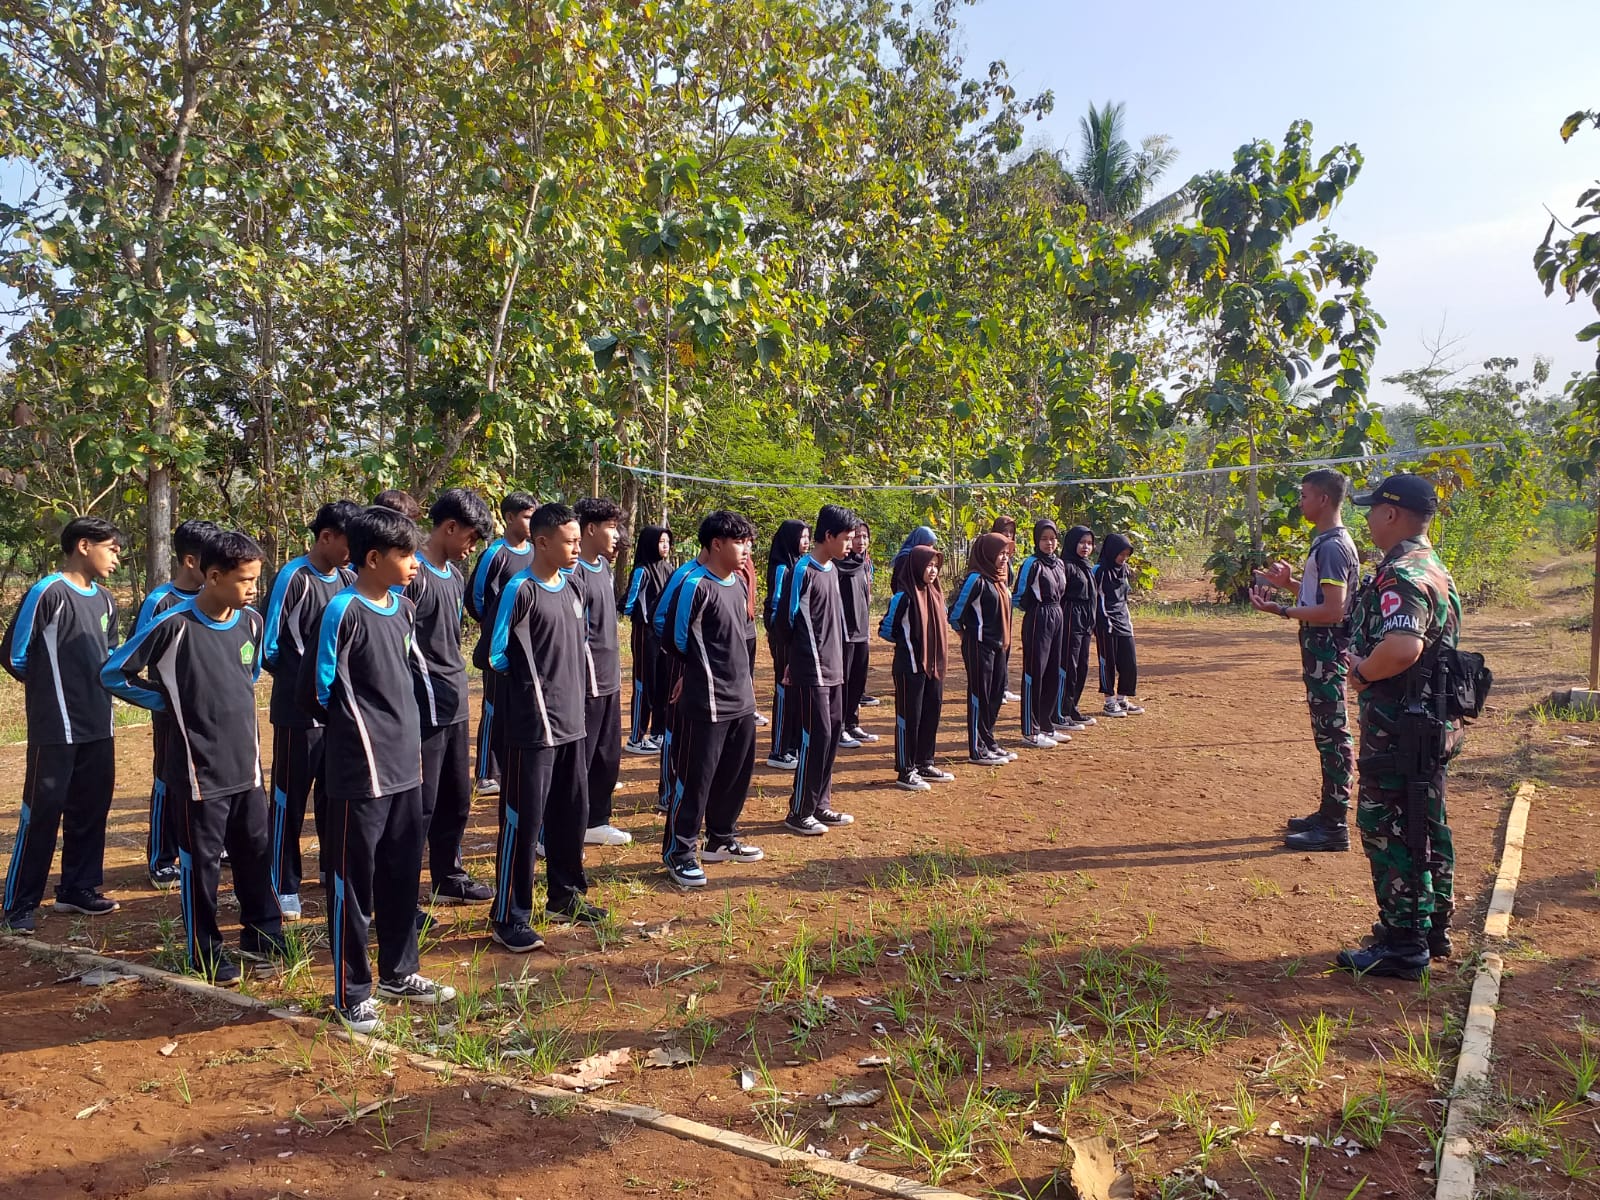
1252,498
666,391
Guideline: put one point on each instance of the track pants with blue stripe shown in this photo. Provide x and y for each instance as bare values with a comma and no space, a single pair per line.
205,827
540,787
986,688
820,711
66,790
161,843
917,701
296,777
373,850
1043,631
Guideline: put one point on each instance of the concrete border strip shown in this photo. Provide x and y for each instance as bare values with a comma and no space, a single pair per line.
880,1183
1457,1173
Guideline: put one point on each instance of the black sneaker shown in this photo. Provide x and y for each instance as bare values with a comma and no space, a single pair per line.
934,775
519,939
90,904
419,989
731,851
1323,836
463,890
579,912
223,972
828,816
21,923
805,826
859,734
1398,954
870,702
685,873
164,879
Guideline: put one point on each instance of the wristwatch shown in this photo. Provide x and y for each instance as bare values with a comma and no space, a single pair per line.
1360,678
1283,610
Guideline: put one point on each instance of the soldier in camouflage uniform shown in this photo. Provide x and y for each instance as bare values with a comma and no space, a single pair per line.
1410,606
1327,590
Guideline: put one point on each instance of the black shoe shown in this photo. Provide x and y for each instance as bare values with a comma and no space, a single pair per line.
579,912
164,879
1301,824
462,890
223,972
1324,835
21,923
90,904
519,938
1438,939
1395,954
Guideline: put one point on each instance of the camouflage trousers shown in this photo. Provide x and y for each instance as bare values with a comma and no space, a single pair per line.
1407,898
1325,661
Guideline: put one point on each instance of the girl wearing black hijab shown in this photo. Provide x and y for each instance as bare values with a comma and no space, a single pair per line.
982,615
1041,585
1113,627
915,624
789,545
652,567
1078,606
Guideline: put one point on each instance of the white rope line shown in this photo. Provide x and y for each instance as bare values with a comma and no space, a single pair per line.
1413,454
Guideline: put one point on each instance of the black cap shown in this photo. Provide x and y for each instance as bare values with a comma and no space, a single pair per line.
1404,491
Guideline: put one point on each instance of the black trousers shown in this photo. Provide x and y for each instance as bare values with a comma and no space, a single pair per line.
66,789
374,856
1042,632
491,729
917,701
649,707
821,718
1119,665
602,753
547,788
711,779
446,799
1074,662
161,842
986,690
296,776
669,676
785,712
239,823
855,681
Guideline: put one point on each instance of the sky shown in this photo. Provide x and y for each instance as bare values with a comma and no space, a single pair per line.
1456,107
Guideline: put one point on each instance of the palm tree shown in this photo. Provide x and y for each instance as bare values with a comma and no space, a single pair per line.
1116,178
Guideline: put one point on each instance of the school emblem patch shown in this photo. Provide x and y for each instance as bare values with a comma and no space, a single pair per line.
1390,603
247,653
577,609
105,622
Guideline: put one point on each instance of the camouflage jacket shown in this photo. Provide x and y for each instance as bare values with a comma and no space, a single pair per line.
1411,592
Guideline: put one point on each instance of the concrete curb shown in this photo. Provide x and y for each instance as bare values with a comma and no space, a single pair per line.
1457,1172
879,1183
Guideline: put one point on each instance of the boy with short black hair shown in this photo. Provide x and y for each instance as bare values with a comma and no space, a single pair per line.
400,501
814,616
63,632
502,558
538,647
714,735
602,720
359,680
300,592
161,845
198,662
439,672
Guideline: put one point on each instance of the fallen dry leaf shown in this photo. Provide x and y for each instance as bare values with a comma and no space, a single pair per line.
855,1098
594,1071
167,1050
1095,1173
668,1056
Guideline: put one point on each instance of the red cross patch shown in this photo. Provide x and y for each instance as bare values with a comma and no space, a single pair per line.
1390,603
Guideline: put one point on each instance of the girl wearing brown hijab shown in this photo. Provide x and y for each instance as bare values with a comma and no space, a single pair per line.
915,624
982,615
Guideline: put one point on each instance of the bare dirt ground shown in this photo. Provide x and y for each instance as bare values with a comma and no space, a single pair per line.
1103,938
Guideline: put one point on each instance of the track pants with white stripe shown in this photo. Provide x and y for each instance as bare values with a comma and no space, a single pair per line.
710,780
544,787
65,789
373,848
821,718
602,753
1042,631
296,776
917,701
239,823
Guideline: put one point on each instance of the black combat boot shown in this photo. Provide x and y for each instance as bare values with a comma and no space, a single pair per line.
1326,833
1438,936
1392,954
1301,824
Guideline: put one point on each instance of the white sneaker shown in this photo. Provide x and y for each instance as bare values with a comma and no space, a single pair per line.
1040,741
1060,737
761,719
860,734
607,835
734,851
487,787
788,762
419,989
1011,697
912,782
847,742
642,746
1130,708
1114,708
361,1018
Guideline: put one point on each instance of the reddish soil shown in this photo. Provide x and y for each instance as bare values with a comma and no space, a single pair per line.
1152,842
